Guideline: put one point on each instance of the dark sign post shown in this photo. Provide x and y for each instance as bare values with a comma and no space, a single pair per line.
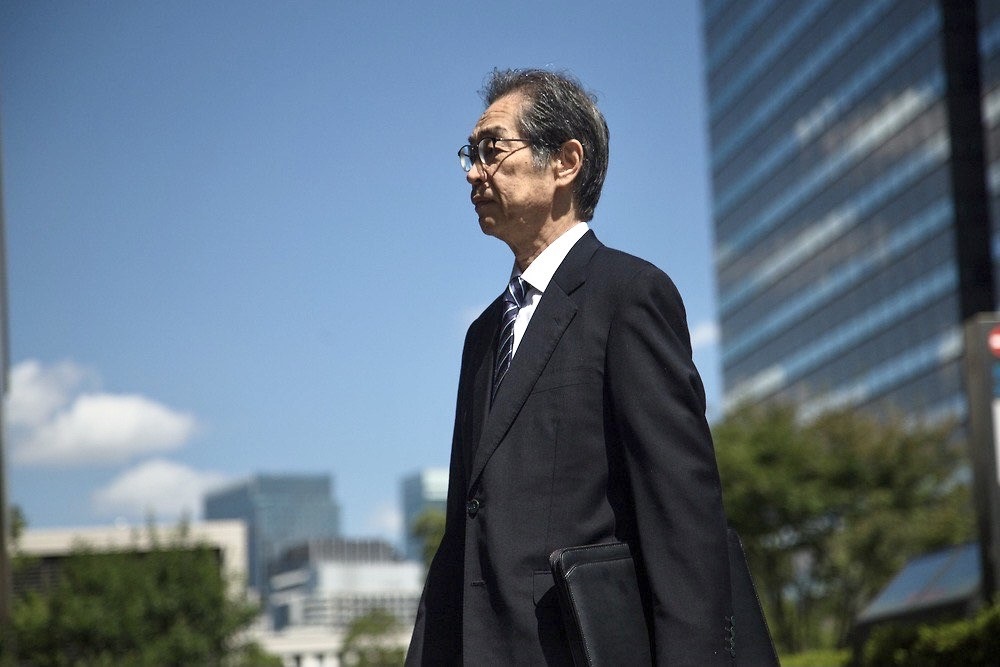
5,528
5,516
982,373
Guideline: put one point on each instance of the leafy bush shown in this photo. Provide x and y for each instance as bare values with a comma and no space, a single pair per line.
888,644
819,658
165,605
970,642
372,640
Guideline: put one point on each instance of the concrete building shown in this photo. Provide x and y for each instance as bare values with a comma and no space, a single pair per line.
303,646
855,162
427,489
228,538
330,583
279,511
318,588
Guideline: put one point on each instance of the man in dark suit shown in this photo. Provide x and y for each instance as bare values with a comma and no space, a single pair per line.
580,416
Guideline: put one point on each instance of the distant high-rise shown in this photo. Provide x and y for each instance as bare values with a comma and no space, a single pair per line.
280,511
855,161
427,489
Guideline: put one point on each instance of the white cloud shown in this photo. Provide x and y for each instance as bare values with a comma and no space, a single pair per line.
54,421
37,392
160,488
704,334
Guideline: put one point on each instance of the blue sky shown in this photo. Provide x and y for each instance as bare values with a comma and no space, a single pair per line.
239,240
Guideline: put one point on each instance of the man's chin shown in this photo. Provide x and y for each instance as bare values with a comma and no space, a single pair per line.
488,225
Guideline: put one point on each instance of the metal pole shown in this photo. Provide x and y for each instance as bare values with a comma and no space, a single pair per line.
982,376
6,591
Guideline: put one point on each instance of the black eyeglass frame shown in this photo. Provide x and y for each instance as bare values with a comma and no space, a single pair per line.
468,154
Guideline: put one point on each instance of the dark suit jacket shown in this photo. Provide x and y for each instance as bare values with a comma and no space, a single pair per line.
597,433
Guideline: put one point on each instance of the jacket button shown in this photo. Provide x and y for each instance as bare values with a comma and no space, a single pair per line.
472,507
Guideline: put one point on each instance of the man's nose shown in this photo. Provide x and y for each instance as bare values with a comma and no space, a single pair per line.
477,174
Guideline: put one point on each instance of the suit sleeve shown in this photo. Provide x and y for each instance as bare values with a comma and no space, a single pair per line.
437,633
658,405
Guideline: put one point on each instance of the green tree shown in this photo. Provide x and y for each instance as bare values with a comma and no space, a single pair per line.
829,510
17,523
167,605
428,526
373,640
773,495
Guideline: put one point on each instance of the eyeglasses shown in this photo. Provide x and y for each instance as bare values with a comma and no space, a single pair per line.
485,151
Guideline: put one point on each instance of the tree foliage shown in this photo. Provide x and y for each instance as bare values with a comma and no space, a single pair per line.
830,510
373,640
429,528
970,642
166,605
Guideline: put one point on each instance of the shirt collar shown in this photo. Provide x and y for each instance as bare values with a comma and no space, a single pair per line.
540,271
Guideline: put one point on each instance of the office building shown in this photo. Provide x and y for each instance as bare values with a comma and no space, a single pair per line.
279,511
330,583
855,165
422,491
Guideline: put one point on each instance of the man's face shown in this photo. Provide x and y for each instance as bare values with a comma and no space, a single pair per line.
513,197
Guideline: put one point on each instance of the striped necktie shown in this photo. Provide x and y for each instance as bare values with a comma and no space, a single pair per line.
513,299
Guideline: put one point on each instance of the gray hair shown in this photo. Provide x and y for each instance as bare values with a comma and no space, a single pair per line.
556,109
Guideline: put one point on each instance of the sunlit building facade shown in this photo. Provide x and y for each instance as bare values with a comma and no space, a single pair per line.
855,164
331,583
45,549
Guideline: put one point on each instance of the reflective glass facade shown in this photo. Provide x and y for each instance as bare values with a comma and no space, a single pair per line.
280,511
853,174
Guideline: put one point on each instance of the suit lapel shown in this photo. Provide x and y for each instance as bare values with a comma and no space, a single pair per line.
481,361
551,318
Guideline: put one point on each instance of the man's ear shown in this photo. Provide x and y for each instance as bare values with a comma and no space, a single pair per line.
568,162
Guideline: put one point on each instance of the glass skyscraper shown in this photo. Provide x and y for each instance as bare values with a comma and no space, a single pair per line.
855,163
280,511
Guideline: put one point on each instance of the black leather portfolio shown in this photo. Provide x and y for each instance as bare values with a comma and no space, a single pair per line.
599,597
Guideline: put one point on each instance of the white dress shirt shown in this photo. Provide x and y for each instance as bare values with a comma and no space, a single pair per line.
540,272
